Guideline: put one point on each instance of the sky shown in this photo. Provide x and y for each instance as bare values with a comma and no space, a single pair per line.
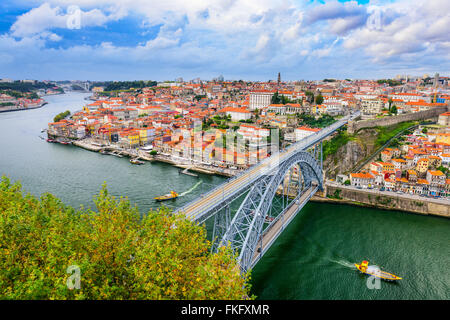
239,39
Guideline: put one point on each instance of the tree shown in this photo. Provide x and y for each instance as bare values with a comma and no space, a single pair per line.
119,254
319,99
275,98
394,109
424,130
347,182
390,104
153,152
61,116
256,113
310,96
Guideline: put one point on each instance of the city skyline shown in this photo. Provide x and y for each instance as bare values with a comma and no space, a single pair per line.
248,40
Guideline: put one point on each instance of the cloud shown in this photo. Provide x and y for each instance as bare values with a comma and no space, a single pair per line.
46,17
416,29
253,37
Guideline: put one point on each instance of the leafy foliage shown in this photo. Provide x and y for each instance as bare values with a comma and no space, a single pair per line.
120,254
24,86
319,99
386,133
322,122
331,146
61,116
390,82
125,85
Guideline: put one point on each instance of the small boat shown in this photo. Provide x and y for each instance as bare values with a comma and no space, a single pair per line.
136,161
50,140
116,154
364,267
103,151
64,142
185,171
171,195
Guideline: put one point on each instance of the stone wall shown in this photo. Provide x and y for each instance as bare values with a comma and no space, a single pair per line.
376,199
388,121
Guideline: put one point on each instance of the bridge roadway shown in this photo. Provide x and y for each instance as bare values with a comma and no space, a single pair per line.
274,230
201,208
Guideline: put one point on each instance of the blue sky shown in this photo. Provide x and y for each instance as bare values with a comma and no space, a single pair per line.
240,39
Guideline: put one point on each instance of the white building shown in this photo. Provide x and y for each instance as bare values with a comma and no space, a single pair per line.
260,99
237,113
363,180
303,132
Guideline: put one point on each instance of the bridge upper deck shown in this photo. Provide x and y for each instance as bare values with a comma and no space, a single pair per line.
199,209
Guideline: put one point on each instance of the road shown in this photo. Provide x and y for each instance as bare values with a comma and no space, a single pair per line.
271,234
444,201
198,209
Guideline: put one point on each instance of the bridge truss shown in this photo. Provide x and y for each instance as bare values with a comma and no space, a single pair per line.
251,210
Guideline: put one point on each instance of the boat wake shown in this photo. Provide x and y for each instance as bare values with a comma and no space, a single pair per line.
344,263
191,189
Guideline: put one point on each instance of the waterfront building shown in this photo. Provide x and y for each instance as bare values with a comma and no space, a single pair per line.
436,178
363,180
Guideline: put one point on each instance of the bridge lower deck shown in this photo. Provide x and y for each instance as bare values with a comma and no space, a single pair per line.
271,234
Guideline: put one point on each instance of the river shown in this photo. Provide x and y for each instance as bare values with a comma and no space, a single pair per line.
312,259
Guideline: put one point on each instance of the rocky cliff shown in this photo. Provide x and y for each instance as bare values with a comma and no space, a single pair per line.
348,156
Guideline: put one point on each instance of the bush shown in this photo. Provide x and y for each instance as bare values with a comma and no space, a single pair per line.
61,116
153,152
120,254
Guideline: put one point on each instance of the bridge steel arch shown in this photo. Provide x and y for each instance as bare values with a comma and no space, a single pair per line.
245,229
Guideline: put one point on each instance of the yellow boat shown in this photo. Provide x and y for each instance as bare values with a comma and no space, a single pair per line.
171,195
375,271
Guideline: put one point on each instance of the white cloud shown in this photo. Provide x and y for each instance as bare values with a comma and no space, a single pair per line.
413,31
46,17
243,35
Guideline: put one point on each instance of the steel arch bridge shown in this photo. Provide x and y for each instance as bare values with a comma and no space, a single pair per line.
252,209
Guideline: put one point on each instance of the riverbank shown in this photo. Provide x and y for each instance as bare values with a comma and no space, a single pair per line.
22,109
200,168
384,200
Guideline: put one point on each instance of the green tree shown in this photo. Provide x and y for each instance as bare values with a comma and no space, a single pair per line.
390,104
394,109
256,113
61,116
120,254
319,99
310,96
276,98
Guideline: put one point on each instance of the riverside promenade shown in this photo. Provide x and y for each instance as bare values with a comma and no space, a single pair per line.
387,200
181,163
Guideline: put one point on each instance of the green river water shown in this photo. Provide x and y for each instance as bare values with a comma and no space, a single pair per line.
312,259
